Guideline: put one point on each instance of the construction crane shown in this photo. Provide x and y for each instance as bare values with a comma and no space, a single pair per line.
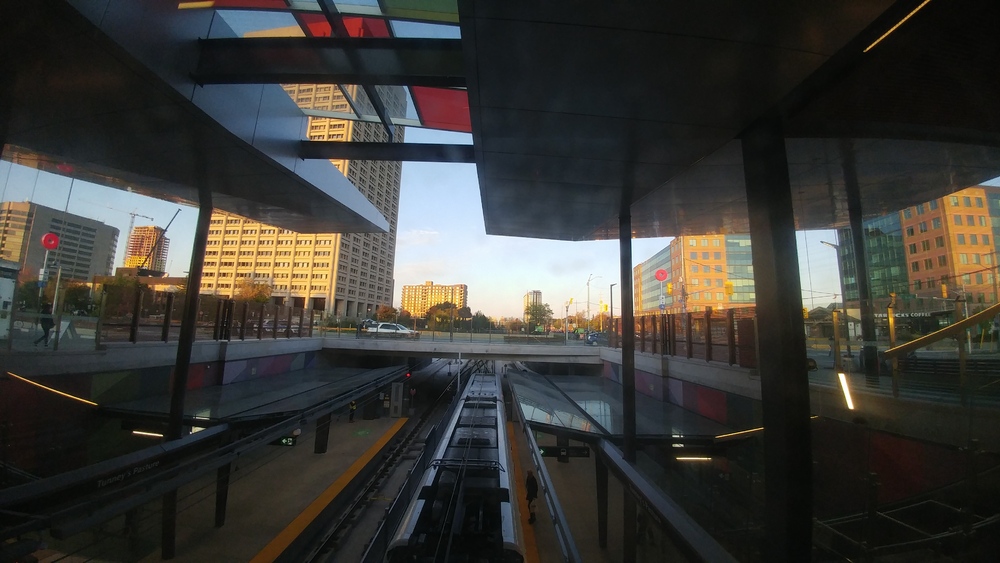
131,223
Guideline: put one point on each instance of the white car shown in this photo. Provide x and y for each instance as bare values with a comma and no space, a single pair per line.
393,329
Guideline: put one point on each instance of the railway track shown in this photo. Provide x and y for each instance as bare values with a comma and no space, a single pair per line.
347,534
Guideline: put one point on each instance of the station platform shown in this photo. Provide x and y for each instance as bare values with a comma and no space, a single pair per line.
276,491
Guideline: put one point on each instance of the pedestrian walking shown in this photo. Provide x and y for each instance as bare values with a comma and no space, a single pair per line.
531,486
46,323
353,407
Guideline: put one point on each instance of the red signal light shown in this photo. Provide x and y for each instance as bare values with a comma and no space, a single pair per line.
407,374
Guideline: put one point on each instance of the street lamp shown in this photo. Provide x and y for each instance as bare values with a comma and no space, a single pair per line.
611,303
591,277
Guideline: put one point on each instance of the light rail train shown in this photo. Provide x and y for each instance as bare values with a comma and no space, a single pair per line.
465,510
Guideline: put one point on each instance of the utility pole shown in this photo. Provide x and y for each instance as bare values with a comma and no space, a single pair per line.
591,277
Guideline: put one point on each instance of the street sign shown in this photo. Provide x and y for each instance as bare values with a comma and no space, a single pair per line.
663,306
661,274
42,283
566,451
50,241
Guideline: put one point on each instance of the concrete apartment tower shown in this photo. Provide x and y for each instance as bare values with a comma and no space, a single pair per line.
343,274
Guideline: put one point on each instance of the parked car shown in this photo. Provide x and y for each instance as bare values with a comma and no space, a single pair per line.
597,339
393,330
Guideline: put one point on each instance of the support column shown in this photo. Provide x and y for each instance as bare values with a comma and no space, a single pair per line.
869,351
628,333
175,428
783,377
629,528
322,434
602,501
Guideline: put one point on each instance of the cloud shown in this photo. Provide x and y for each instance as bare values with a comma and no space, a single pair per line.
417,237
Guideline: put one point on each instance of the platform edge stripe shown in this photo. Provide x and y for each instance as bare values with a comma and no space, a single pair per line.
280,543
527,530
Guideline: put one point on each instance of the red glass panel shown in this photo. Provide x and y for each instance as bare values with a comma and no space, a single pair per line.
314,25
442,108
366,27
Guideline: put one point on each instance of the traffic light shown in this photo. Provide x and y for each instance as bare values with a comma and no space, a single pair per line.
944,290
670,289
729,288
805,313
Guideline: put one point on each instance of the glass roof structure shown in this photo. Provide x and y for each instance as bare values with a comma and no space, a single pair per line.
432,107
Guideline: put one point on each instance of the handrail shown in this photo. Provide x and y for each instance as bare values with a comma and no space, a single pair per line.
566,542
948,331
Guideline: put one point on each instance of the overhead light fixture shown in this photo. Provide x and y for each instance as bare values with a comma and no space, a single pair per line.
147,434
893,28
739,433
56,391
847,390
693,459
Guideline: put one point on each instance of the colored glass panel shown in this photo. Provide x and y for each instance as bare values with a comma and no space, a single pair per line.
315,25
366,27
425,10
402,28
443,108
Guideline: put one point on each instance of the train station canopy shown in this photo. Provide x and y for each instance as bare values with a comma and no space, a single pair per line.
578,112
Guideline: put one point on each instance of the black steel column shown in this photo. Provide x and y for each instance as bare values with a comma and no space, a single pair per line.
628,333
133,330
175,429
322,434
783,376
869,351
602,500
629,527
167,318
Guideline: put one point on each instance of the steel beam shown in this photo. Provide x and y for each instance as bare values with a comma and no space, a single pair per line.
331,60
397,152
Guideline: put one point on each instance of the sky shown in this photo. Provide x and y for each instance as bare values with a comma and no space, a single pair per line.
440,237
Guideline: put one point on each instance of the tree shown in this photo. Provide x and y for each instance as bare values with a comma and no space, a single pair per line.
481,322
406,319
386,313
249,290
76,297
538,314
27,295
121,293
440,316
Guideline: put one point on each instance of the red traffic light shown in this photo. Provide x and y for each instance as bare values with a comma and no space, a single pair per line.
407,374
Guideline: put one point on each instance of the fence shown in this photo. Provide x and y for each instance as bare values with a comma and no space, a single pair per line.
142,315
725,336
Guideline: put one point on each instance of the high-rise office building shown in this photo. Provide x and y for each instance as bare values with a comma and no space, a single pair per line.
86,247
913,252
700,271
344,274
147,248
533,297
417,299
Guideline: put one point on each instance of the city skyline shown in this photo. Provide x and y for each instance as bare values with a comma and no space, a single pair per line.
440,236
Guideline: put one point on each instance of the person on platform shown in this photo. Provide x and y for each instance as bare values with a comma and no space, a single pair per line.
353,407
531,486
46,323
